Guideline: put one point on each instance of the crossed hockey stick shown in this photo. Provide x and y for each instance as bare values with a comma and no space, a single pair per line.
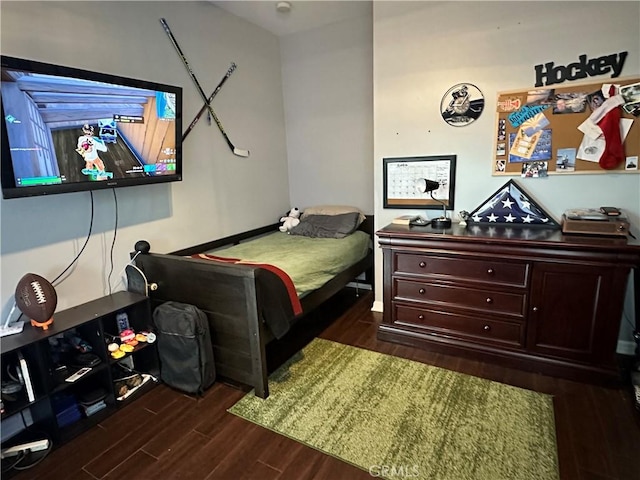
237,151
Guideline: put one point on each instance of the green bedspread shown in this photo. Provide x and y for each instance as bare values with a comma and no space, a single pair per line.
310,262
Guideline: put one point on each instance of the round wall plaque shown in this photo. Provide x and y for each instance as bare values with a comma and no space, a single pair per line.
462,104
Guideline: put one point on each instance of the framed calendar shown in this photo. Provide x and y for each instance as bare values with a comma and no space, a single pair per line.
404,182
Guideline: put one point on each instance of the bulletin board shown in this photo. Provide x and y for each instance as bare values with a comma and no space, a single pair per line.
537,134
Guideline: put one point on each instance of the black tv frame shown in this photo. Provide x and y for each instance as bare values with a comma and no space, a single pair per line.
7,179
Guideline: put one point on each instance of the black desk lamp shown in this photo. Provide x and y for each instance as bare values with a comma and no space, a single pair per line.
424,185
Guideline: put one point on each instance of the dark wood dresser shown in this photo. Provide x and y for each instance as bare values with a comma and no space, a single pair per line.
528,298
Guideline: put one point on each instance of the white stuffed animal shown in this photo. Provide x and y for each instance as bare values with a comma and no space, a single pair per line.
290,220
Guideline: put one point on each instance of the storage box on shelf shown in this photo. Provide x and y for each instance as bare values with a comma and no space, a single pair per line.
71,371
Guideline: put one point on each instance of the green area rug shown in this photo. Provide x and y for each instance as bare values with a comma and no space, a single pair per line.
397,418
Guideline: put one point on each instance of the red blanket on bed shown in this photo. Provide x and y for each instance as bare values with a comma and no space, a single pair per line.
278,328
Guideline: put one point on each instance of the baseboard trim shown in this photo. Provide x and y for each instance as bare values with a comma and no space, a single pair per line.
626,347
377,306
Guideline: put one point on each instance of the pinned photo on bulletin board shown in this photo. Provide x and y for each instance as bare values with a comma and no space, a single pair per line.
568,129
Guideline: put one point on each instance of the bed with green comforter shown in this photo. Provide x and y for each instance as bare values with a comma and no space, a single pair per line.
309,262
246,303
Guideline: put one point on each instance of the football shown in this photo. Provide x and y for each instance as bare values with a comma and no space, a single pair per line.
36,297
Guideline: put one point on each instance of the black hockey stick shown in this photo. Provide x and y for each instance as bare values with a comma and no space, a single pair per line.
209,100
236,151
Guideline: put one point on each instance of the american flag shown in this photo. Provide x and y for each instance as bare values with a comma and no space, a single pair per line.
510,205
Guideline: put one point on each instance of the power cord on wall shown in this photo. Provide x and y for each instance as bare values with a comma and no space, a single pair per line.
139,250
83,246
115,230
113,242
16,327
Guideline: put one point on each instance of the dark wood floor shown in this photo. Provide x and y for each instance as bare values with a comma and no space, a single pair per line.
168,435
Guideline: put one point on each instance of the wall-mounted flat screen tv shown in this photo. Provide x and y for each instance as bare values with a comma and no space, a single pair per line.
68,130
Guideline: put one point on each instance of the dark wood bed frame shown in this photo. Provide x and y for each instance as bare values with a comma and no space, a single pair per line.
227,295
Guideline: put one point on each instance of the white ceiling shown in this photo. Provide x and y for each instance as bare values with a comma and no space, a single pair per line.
304,14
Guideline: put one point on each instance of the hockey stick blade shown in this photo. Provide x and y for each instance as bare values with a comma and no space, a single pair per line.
236,151
241,153
203,95
209,100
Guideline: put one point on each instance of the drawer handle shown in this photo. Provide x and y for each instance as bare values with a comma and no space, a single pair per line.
421,291
486,328
489,300
535,309
422,264
421,317
490,271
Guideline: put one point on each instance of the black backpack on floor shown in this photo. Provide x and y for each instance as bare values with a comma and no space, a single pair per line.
184,347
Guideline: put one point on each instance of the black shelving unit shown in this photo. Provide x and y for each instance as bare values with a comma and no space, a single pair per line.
50,411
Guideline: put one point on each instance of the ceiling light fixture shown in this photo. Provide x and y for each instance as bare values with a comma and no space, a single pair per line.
283,7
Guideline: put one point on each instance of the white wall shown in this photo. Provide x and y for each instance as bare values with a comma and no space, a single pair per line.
327,78
423,48
419,50
221,194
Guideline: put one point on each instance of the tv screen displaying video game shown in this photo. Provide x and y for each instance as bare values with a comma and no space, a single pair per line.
67,129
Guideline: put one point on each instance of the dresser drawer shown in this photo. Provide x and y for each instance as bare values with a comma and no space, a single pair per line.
485,301
474,270
460,326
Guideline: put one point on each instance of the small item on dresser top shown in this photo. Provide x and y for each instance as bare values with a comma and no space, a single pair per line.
441,223
586,214
424,185
591,221
420,222
511,206
611,211
404,219
464,215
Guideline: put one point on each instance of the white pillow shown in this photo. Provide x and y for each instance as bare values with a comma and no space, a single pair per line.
332,210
